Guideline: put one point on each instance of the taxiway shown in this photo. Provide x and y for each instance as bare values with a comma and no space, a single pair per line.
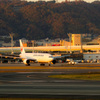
33,81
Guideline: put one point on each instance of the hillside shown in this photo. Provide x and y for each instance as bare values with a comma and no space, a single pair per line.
38,20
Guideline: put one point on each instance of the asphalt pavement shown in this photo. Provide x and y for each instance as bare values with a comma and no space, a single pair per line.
35,82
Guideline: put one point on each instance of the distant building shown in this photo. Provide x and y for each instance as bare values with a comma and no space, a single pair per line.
24,40
76,39
64,43
27,44
24,44
6,44
95,41
92,57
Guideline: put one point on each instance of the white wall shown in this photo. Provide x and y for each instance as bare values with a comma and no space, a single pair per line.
91,56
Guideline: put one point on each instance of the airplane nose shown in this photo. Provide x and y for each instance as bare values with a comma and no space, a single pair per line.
52,59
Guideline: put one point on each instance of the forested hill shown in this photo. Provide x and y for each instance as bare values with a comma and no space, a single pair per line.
38,20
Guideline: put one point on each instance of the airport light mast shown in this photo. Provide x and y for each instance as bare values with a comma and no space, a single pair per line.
33,45
70,38
81,45
11,35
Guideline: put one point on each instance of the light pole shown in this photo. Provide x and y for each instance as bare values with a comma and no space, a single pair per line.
33,45
81,45
11,35
70,35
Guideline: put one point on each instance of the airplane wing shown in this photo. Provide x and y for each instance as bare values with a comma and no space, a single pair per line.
18,58
57,58
10,56
61,56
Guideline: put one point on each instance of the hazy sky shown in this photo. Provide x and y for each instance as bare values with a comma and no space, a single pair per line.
62,0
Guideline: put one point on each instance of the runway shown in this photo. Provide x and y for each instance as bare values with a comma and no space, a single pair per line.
59,67
35,82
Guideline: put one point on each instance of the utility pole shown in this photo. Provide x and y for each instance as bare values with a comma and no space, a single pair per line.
70,38
81,45
11,35
33,45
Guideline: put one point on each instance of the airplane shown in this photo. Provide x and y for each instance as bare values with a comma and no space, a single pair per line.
41,58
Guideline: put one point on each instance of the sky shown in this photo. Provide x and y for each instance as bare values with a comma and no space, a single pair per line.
89,1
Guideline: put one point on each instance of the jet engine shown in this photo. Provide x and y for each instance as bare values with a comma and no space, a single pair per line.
26,62
54,61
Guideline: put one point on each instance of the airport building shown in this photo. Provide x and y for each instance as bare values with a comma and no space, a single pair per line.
92,57
91,49
76,39
76,42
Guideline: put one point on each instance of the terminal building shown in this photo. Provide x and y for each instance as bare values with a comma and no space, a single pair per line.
90,48
76,42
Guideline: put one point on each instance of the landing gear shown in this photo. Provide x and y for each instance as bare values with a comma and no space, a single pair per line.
54,61
49,64
28,64
42,64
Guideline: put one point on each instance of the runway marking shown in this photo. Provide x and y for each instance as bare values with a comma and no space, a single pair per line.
30,67
22,68
40,72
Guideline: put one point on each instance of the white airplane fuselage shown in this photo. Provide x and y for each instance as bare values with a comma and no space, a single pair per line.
38,57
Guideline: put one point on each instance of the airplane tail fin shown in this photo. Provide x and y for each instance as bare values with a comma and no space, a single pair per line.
22,48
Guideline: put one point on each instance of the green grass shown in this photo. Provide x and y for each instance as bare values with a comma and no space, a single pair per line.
78,76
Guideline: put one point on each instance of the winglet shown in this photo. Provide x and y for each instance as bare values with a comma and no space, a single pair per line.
22,48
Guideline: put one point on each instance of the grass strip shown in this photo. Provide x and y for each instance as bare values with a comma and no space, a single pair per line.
78,76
